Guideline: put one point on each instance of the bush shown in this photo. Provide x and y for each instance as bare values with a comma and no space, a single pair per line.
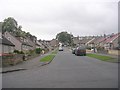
38,50
88,47
31,52
21,52
18,52
100,48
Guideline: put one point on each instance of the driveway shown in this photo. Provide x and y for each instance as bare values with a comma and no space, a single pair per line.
66,71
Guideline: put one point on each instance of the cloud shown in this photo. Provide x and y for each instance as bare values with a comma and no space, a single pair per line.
46,18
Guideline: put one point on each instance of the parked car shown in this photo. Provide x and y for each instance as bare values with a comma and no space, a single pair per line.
73,50
60,48
81,50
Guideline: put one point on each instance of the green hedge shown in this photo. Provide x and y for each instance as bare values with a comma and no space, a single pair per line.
38,50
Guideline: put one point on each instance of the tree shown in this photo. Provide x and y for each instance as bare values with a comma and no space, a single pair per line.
9,24
28,34
65,37
23,33
18,32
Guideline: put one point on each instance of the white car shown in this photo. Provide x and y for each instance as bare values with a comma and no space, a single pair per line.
60,49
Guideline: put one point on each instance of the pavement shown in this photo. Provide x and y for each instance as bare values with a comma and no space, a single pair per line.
66,71
29,64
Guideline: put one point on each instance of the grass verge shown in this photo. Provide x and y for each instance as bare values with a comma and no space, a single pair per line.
102,57
49,57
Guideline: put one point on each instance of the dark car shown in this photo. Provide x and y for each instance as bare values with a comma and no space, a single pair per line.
81,50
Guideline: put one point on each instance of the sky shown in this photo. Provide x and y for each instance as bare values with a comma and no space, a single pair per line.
46,18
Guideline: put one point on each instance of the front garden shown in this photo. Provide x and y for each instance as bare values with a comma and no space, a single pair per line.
49,57
102,57
20,56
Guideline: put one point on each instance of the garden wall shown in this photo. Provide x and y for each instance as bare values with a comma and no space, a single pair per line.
11,59
114,52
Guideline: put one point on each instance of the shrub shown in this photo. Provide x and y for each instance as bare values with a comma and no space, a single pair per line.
31,52
100,48
16,51
38,50
88,47
21,52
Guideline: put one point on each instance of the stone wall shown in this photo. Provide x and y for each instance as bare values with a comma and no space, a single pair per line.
114,52
11,59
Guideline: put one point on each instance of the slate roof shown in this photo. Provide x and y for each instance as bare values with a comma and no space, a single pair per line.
112,38
17,37
97,40
32,44
4,41
84,41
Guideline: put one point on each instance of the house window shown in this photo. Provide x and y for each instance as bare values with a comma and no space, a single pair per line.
5,49
9,38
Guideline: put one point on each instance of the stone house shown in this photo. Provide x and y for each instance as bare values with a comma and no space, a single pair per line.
54,43
76,40
97,41
21,43
84,41
33,44
112,42
40,44
5,45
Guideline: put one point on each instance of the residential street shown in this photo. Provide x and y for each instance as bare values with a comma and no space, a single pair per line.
66,71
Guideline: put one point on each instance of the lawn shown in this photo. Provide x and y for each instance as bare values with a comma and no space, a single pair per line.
49,57
102,57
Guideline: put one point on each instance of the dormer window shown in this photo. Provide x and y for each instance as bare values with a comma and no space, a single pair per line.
9,38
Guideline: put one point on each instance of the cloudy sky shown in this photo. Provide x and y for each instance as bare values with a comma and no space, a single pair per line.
46,18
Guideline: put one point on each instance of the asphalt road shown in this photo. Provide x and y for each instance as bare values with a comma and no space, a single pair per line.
66,71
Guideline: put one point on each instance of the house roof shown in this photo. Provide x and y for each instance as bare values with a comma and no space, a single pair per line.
17,38
24,43
97,40
40,43
84,41
30,42
112,38
90,40
4,41
107,39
